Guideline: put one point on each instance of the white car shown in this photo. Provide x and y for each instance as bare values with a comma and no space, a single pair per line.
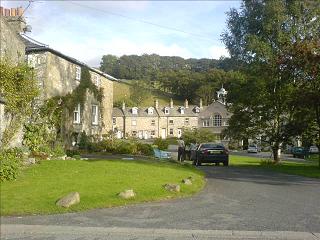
313,149
252,149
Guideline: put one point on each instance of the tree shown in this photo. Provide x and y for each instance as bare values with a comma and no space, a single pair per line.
259,38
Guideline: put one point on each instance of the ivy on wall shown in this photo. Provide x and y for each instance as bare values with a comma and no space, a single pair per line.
48,123
19,88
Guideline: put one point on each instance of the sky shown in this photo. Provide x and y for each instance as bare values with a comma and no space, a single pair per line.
86,30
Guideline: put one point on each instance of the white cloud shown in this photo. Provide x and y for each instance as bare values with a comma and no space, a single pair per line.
216,52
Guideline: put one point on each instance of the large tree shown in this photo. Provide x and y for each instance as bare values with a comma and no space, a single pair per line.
260,37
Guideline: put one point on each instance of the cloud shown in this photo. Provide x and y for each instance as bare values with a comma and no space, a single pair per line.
216,52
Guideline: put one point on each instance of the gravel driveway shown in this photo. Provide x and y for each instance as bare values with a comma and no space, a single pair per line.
233,199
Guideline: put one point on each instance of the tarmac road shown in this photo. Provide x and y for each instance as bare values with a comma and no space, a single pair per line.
234,201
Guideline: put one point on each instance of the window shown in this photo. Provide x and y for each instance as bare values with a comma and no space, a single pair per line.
153,132
95,115
134,133
166,110
170,121
76,114
197,109
134,110
171,131
134,122
153,122
217,120
114,121
186,121
78,73
205,123
96,80
150,110
182,110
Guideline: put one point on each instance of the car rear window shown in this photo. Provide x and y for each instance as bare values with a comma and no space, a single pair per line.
208,145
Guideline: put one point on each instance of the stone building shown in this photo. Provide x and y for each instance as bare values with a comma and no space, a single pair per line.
169,121
57,75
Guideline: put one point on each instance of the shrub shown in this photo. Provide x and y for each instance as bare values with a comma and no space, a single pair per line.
10,162
126,148
144,149
71,153
58,150
162,144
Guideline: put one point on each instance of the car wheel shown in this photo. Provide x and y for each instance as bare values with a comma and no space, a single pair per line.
198,162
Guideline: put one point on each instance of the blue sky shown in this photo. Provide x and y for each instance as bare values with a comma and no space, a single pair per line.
87,30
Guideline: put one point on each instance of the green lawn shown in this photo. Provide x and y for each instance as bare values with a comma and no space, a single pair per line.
98,181
307,169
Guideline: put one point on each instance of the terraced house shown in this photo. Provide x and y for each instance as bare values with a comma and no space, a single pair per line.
58,75
170,121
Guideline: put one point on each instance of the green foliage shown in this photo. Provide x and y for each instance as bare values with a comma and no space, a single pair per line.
19,88
199,136
139,92
10,163
71,153
162,144
276,44
78,95
145,149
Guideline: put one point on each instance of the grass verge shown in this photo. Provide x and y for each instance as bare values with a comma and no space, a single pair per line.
307,169
98,181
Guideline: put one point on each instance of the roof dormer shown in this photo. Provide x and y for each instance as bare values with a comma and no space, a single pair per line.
150,110
134,110
182,110
196,109
166,110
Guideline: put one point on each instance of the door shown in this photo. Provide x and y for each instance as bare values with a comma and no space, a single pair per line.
179,133
140,135
163,133
119,134
146,135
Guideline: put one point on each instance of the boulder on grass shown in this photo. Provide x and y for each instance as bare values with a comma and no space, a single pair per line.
68,200
187,181
172,187
127,194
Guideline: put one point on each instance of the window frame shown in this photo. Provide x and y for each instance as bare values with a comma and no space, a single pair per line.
171,131
206,123
78,73
187,121
77,114
95,118
153,122
134,121
217,120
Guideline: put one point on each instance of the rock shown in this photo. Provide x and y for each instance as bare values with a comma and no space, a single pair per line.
127,194
187,181
70,158
64,157
68,200
29,161
172,187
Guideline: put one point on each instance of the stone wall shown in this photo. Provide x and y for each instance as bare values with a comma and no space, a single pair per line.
57,77
12,48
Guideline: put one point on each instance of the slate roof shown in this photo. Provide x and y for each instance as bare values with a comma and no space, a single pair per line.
142,112
117,112
35,46
175,111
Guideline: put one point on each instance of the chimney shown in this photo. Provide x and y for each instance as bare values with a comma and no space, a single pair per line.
156,104
19,11
186,103
13,12
123,106
1,11
200,103
171,103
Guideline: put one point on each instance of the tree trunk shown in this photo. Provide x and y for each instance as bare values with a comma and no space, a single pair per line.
275,150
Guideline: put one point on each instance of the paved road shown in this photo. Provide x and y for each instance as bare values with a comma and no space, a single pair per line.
236,199
287,157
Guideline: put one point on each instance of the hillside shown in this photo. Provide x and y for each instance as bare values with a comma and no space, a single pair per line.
121,91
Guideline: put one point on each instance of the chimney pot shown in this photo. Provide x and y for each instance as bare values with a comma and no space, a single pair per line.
123,105
171,103
19,11
156,104
200,103
186,103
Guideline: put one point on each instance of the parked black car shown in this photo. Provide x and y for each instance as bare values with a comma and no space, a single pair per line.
210,153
